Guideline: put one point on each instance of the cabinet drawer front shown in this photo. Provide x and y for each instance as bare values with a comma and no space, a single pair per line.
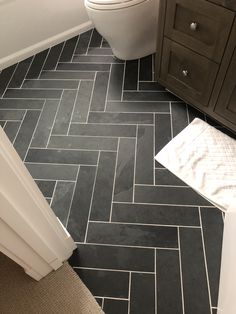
188,74
199,25
226,104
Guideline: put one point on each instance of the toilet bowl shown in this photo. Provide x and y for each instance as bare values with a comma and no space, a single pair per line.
129,26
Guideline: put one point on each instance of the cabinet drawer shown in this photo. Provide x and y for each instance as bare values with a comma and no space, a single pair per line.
190,75
226,104
199,25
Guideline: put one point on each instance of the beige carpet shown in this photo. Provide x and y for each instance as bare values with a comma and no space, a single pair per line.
60,292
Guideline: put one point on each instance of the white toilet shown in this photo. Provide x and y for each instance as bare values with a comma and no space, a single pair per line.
129,26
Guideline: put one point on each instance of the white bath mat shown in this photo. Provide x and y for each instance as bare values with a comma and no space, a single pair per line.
205,159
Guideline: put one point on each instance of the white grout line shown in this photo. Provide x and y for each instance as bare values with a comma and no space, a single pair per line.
73,194
135,160
130,276
54,191
73,109
164,204
155,281
138,82
123,81
181,273
187,113
89,42
108,85
130,246
56,65
205,260
143,224
36,126
19,127
59,164
72,55
91,200
52,125
110,298
165,185
114,179
121,124
27,71
10,80
114,270
103,302
171,121
68,149
91,97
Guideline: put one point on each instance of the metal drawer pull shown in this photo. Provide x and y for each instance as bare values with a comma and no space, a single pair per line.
193,26
185,73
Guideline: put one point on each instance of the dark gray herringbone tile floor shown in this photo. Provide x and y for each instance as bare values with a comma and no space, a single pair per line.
88,126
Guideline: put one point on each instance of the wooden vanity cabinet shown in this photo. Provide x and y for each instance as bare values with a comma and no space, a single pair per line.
196,55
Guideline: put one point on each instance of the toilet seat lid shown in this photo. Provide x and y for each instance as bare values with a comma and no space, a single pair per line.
111,4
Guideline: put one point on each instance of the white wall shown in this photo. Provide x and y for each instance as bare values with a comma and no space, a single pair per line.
29,26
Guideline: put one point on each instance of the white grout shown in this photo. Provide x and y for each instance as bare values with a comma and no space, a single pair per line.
181,273
114,270
164,204
155,281
19,127
91,201
114,180
143,224
91,97
71,201
205,260
171,121
129,297
135,161
73,109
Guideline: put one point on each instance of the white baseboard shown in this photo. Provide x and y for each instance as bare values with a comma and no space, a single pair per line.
49,42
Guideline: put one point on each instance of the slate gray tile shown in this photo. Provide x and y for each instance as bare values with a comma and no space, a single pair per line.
11,128
102,197
155,214
5,77
96,39
138,106
83,67
2,123
46,187
59,156
151,86
169,297
132,235
82,102
64,112
131,75
19,73
148,96
83,42
62,200
96,59
141,302
194,113
25,133
52,57
43,129
37,64
114,306
116,82
168,195
125,171
52,172
84,142
101,283
68,49
79,214
105,43
212,225
145,73
165,177
145,155
67,75
114,257
99,92
179,117
196,299
51,84
33,93
21,103
93,129
15,115
162,131
214,311
100,51
122,118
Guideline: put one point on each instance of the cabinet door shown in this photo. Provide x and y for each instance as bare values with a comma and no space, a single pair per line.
226,104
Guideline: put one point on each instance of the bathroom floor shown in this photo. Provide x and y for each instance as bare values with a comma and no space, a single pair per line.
87,127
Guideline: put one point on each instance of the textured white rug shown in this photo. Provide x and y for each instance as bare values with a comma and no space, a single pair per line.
205,159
